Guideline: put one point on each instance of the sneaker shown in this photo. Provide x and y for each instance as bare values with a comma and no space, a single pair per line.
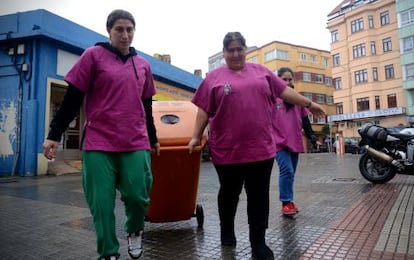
135,245
112,257
296,208
289,209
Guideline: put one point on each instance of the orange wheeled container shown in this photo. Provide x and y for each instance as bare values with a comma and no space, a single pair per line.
175,171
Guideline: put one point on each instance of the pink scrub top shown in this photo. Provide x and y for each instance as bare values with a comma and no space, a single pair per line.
240,110
287,125
115,115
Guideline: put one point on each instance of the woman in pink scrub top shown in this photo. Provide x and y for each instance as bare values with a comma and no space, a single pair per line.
237,102
117,86
289,120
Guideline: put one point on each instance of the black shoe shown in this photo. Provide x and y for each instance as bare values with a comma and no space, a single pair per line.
262,252
228,239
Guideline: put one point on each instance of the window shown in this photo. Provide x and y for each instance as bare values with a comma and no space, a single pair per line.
282,55
325,62
359,50
361,76
329,100
253,59
339,108
407,17
392,100
321,120
306,76
357,25
276,54
377,102
338,83
371,21
320,98
375,74
389,71
334,36
408,72
312,59
217,63
308,95
386,44
310,116
336,60
303,57
319,78
271,55
328,81
385,18
408,43
362,104
373,48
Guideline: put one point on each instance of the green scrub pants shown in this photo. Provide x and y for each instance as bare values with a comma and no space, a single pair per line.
102,174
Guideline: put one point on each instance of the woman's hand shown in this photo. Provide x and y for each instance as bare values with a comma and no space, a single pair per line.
192,145
50,148
156,148
316,110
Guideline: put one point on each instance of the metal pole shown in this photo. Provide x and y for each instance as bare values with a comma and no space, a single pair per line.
330,133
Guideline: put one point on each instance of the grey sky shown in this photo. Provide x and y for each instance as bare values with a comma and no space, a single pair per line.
191,31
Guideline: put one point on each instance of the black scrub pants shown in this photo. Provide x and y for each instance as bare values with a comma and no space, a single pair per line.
255,176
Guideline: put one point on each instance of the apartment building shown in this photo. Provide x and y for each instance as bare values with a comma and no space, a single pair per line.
366,69
312,69
405,16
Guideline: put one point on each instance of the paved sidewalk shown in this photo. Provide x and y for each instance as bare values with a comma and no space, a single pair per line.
342,216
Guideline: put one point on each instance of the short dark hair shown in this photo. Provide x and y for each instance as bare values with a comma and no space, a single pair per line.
283,70
233,36
119,14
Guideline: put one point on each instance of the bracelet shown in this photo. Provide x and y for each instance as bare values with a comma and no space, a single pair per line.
309,105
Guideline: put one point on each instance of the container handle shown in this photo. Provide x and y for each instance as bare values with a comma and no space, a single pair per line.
185,147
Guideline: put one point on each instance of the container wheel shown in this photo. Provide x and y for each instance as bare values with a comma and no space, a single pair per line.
200,215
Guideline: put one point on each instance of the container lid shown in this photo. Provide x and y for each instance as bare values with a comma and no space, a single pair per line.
174,121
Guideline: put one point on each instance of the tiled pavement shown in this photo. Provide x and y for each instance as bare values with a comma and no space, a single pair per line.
342,216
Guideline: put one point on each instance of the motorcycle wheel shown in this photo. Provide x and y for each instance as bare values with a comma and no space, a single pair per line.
375,170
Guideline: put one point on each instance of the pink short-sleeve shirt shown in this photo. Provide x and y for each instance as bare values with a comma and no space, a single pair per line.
287,126
240,112
115,115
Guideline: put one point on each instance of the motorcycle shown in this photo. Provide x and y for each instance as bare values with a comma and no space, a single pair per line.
385,153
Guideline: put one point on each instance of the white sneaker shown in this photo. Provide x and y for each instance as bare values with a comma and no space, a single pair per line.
135,245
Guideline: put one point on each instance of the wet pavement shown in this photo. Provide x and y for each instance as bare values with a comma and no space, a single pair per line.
341,216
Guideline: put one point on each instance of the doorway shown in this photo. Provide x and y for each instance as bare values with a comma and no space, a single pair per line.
71,138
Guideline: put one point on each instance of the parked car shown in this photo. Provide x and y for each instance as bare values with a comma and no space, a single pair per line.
351,145
323,148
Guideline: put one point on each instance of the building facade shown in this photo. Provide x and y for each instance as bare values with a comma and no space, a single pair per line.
37,49
405,17
366,67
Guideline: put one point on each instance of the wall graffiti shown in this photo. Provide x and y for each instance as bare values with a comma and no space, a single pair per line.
8,127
